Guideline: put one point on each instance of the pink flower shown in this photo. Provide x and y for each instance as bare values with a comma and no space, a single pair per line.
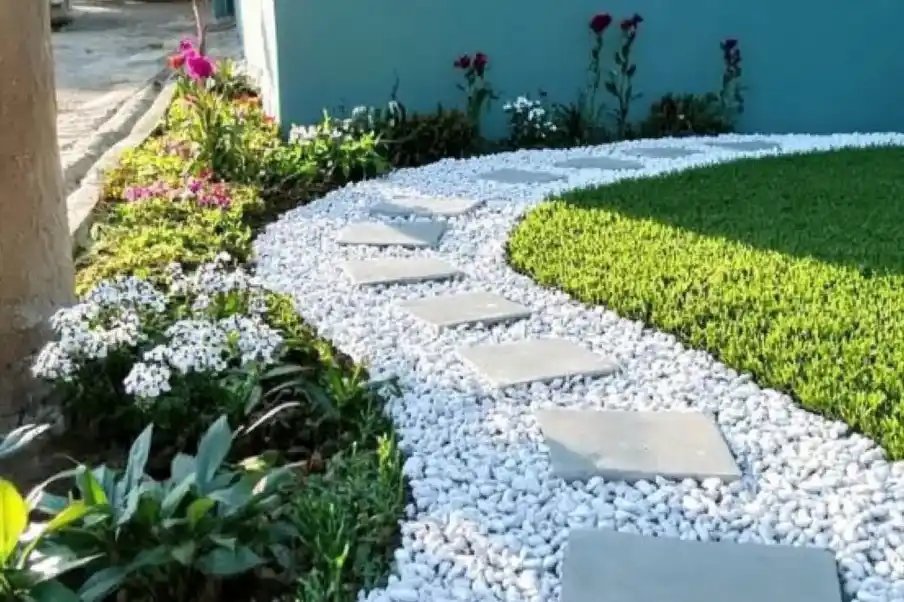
186,46
198,67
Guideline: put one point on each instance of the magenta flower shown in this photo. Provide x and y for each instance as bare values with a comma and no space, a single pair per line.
198,67
186,46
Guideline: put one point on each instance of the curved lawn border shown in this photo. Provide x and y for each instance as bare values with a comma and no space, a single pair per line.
488,521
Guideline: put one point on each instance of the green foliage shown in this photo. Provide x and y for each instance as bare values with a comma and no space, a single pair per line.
182,538
420,138
676,115
142,238
789,268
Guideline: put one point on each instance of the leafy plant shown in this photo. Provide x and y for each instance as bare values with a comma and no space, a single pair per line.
529,123
676,115
479,93
13,442
421,138
339,149
731,94
29,568
620,81
182,538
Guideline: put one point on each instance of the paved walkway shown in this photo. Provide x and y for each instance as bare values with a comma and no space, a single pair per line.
105,63
559,453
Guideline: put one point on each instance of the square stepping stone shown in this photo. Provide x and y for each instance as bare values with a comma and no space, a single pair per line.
408,234
746,146
539,360
519,176
629,446
447,311
661,152
399,270
604,163
626,567
426,206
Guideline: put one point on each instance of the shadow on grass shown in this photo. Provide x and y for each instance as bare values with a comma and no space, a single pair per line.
842,207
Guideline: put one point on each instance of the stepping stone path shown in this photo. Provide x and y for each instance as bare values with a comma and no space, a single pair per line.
394,270
407,234
583,444
427,206
746,146
519,176
661,152
604,163
633,446
448,311
603,565
539,360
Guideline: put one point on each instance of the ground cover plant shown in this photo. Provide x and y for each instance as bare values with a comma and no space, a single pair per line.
789,268
228,450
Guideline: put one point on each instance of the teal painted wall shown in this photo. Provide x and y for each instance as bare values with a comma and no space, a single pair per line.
810,66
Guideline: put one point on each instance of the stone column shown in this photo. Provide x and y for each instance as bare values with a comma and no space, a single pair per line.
36,267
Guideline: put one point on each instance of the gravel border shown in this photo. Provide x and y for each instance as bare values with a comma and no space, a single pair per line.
488,522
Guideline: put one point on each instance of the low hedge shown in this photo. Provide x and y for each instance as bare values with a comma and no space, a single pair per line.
790,268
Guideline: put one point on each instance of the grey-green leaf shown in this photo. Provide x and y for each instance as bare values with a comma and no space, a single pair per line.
222,562
101,583
212,451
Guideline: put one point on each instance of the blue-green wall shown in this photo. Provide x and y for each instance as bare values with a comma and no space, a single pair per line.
811,66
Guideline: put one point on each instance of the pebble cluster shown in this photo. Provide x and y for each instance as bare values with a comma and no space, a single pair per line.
488,522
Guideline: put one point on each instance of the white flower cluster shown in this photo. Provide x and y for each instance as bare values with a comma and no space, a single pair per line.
529,119
362,121
118,315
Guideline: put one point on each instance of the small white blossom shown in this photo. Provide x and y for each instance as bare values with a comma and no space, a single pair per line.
147,382
528,120
257,342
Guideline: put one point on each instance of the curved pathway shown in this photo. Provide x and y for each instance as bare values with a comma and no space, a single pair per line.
531,421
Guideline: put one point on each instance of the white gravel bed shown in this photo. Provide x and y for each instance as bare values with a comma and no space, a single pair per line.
488,521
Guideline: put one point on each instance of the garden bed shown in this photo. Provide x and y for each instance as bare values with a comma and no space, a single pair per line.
788,268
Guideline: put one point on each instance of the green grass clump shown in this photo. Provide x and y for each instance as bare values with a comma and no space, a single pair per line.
790,268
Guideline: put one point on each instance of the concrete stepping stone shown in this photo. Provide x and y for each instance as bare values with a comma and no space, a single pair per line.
448,311
538,360
519,176
408,234
746,146
399,270
629,446
604,163
426,206
661,152
627,567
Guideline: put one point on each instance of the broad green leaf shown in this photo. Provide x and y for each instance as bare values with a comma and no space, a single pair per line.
212,451
13,519
99,585
222,562
175,496
51,567
13,442
53,591
90,488
198,509
154,557
138,459
71,513
184,553
181,466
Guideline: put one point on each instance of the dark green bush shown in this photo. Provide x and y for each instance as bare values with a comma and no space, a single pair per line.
790,268
676,115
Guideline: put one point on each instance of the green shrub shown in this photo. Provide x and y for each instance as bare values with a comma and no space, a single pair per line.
676,115
421,138
789,268
187,538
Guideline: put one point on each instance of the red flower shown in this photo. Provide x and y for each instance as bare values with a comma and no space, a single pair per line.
729,44
462,62
632,23
600,22
176,61
480,63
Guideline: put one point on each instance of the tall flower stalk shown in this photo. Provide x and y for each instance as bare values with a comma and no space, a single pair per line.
731,95
590,106
478,91
621,78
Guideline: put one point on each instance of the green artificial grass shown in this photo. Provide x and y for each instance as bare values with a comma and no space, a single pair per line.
790,268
